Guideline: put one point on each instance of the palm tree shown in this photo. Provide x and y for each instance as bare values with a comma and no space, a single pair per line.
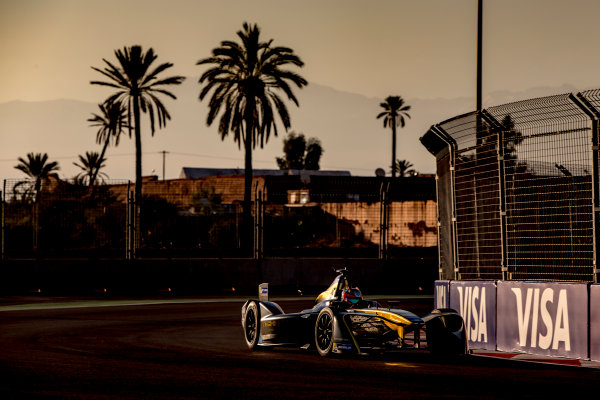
111,122
403,168
393,115
138,87
90,166
245,79
37,167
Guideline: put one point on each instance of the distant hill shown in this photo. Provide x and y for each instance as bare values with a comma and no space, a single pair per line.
346,124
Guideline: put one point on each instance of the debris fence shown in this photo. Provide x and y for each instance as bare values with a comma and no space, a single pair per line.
518,190
187,218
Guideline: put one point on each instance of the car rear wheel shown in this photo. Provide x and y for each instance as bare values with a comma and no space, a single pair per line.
446,336
324,332
251,325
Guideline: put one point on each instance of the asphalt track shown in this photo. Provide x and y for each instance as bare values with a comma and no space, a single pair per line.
195,350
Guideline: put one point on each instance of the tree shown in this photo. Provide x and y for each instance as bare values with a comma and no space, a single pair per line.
393,115
300,154
512,138
403,168
111,122
37,167
138,87
314,151
511,141
245,79
90,166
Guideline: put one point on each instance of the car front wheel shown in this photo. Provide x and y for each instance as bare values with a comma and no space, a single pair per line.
251,325
324,332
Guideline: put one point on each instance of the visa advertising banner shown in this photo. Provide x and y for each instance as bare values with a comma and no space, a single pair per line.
441,292
595,322
543,318
476,303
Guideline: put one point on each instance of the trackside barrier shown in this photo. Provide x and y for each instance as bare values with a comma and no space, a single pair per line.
476,302
441,294
595,322
550,319
543,318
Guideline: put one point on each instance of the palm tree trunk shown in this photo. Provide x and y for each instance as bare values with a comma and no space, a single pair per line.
97,169
138,173
394,148
248,231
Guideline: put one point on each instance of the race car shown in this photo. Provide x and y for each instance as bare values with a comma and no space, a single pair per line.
343,322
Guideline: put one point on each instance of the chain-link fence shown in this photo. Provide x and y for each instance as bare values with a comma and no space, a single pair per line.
297,216
54,218
518,190
348,216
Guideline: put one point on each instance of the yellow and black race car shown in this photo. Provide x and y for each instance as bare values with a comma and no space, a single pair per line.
343,322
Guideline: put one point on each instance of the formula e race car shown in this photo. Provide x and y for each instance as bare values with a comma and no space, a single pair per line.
343,322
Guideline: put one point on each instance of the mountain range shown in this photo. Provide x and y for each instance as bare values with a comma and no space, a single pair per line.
345,123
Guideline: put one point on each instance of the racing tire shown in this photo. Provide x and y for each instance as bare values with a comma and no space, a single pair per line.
446,336
251,325
324,332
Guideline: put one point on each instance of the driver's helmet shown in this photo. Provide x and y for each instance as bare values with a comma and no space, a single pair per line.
351,296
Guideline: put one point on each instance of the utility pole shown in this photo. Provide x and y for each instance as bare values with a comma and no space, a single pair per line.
164,154
479,132
479,50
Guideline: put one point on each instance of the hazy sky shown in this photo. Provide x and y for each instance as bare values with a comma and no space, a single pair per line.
419,49
416,48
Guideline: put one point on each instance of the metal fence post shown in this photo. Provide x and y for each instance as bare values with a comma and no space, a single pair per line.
127,227
130,226
438,225
384,205
137,225
454,218
436,140
36,227
596,192
502,186
591,111
2,232
495,125
258,224
452,147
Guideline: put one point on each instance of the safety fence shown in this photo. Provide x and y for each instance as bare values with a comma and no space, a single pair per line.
518,190
291,216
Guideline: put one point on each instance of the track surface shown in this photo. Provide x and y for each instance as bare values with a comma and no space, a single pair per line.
197,351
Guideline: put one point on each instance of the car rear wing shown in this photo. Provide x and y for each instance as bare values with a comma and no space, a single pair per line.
263,292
